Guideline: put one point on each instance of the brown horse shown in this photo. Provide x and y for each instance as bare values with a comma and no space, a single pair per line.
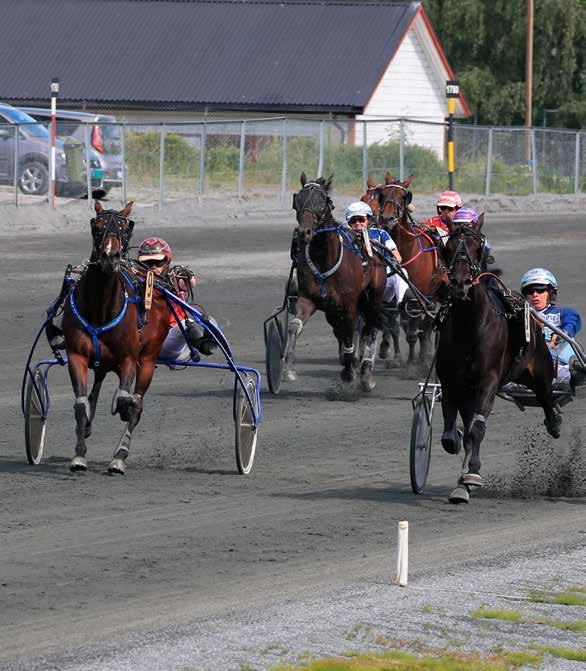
482,344
389,202
101,327
334,274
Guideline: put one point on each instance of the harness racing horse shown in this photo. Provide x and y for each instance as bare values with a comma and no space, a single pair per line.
101,327
389,202
482,345
333,275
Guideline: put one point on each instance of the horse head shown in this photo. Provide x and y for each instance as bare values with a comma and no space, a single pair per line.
111,233
463,254
388,201
313,205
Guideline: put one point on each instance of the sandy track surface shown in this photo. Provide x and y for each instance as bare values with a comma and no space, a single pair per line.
93,567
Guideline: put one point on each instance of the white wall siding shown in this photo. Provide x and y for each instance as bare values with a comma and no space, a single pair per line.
409,88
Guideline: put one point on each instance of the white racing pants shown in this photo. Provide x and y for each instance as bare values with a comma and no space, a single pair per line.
175,346
396,288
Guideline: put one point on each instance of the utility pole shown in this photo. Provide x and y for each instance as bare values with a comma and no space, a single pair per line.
452,92
529,79
52,171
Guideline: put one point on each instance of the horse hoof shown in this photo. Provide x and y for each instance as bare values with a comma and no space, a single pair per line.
554,426
383,351
116,467
78,464
289,376
368,383
459,495
472,480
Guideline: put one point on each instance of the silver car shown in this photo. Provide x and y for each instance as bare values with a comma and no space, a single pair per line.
104,136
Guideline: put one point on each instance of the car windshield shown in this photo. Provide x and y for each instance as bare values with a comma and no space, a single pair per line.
16,116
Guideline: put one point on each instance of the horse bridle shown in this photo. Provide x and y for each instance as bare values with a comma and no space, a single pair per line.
399,207
462,252
117,226
310,206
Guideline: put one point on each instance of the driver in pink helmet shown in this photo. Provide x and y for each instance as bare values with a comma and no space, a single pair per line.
448,203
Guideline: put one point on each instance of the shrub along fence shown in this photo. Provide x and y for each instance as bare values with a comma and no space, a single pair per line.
264,157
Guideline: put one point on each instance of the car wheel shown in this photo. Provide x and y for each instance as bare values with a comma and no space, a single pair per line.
34,179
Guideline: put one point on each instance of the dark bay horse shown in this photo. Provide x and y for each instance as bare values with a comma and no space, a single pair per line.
101,327
389,202
482,345
335,276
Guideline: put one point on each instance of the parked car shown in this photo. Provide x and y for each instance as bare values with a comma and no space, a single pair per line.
33,161
105,138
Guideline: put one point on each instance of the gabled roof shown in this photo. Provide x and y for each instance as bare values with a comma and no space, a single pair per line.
312,55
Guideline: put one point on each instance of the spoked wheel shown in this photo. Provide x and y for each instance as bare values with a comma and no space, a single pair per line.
246,433
34,423
276,331
420,450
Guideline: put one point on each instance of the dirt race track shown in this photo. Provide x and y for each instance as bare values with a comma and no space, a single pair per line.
87,562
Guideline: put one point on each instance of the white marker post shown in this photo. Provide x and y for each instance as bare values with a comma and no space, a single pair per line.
403,554
54,94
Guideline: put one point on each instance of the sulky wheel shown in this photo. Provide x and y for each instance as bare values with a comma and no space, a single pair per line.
245,431
35,423
420,449
275,342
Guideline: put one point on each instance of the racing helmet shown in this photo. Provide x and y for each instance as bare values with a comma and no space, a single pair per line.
154,249
449,199
539,276
357,209
465,216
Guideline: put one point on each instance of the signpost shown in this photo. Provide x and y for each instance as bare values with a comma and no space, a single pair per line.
452,93
54,94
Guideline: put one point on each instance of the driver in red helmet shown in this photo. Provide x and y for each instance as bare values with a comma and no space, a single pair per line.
155,254
448,203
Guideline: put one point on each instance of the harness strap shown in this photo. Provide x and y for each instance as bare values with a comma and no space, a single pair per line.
322,277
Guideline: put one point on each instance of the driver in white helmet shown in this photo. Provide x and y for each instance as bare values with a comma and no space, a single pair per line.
539,286
358,216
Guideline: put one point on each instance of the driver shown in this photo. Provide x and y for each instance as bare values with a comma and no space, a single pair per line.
539,286
358,215
448,203
155,255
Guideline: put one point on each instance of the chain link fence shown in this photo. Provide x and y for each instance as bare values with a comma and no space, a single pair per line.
155,164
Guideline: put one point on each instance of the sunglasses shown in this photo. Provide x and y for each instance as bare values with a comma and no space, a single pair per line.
534,290
155,263
356,220
445,208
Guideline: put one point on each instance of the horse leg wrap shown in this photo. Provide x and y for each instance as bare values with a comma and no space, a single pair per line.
295,326
348,350
123,447
369,350
84,406
120,394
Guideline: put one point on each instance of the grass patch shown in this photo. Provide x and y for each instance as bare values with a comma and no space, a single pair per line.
498,614
565,653
574,596
402,661
579,626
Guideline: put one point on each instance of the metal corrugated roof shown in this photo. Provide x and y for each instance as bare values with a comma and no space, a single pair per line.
243,54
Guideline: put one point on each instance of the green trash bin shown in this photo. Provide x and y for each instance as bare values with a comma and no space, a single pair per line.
74,160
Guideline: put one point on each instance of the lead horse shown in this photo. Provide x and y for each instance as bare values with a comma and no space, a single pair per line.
101,326
335,274
482,345
390,204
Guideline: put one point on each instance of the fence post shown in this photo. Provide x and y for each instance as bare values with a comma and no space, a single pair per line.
202,160
88,167
49,163
162,168
241,159
364,156
577,165
534,160
123,152
320,165
401,150
285,161
489,163
16,133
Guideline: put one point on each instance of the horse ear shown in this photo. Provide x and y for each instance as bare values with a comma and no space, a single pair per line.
408,181
98,207
409,197
127,210
479,223
370,182
328,184
303,179
388,178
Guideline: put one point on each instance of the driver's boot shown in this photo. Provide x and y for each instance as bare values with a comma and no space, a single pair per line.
577,375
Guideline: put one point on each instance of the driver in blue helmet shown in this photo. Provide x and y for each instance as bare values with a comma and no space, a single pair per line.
539,286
